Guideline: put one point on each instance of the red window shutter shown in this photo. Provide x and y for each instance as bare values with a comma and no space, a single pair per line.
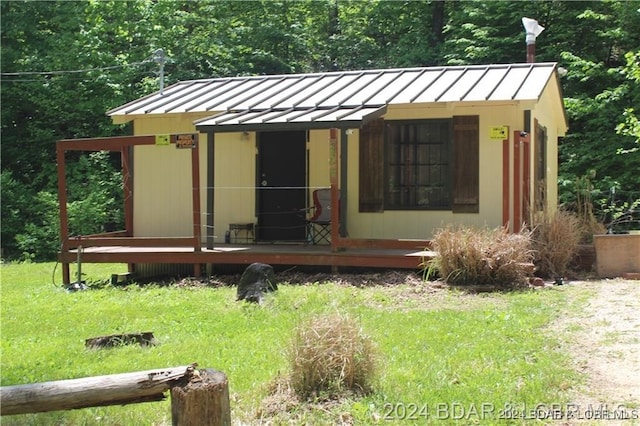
466,164
371,167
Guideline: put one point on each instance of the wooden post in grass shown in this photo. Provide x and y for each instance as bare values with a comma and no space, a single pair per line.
198,397
203,401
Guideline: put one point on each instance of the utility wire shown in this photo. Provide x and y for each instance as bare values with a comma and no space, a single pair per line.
44,73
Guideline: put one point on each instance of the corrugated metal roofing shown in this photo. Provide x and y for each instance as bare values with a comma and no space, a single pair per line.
338,99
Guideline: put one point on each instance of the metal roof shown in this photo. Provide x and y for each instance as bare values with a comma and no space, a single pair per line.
337,99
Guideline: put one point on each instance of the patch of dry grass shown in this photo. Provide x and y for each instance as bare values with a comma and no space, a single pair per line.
330,354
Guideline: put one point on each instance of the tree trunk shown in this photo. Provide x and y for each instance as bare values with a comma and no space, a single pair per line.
203,401
437,23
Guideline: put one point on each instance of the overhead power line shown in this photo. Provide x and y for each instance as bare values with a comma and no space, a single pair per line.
45,73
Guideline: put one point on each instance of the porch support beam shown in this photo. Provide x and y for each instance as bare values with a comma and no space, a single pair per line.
333,179
62,199
344,161
115,143
195,195
506,190
127,184
210,188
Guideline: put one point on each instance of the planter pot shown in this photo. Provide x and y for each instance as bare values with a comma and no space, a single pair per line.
617,254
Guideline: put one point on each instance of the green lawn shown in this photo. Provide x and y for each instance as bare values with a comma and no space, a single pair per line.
442,355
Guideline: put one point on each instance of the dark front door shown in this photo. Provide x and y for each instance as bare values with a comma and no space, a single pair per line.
281,186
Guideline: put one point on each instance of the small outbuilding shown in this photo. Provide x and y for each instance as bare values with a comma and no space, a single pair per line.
404,152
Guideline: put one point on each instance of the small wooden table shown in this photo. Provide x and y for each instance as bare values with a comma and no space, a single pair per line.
247,235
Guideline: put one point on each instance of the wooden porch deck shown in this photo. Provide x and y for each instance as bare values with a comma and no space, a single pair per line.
236,254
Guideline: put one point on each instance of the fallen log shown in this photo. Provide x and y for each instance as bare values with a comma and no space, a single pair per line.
114,340
115,389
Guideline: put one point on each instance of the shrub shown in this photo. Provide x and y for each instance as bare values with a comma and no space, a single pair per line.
495,257
13,211
554,241
39,238
329,355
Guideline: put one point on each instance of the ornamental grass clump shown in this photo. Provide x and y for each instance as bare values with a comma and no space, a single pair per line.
483,257
555,240
330,355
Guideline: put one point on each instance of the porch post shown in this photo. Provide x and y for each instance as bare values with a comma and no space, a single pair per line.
64,222
195,182
526,178
333,178
517,181
506,190
210,188
125,156
344,162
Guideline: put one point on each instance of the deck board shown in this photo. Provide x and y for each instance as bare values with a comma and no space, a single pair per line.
282,254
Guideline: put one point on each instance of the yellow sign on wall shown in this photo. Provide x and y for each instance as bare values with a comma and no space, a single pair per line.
499,132
163,139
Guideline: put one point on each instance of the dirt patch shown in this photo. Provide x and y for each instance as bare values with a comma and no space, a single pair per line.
605,348
397,290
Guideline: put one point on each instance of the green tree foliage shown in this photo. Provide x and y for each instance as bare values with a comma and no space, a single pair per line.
109,47
600,93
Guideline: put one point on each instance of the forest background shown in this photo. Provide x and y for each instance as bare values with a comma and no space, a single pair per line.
65,63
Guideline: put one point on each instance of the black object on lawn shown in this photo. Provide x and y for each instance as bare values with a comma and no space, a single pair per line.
256,280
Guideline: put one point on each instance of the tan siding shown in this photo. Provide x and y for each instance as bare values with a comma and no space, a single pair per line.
549,113
235,180
421,224
162,179
318,159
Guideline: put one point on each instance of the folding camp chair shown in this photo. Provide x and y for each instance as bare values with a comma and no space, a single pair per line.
319,224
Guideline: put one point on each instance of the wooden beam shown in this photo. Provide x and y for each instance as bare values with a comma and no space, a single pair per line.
62,200
526,178
506,193
344,196
400,244
115,389
97,241
517,182
127,184
333,179
195,191
210,188
115,143
195,194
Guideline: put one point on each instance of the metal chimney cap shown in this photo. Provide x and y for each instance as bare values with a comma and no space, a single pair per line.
532,28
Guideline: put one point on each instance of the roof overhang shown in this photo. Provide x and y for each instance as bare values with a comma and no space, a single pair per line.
290,119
